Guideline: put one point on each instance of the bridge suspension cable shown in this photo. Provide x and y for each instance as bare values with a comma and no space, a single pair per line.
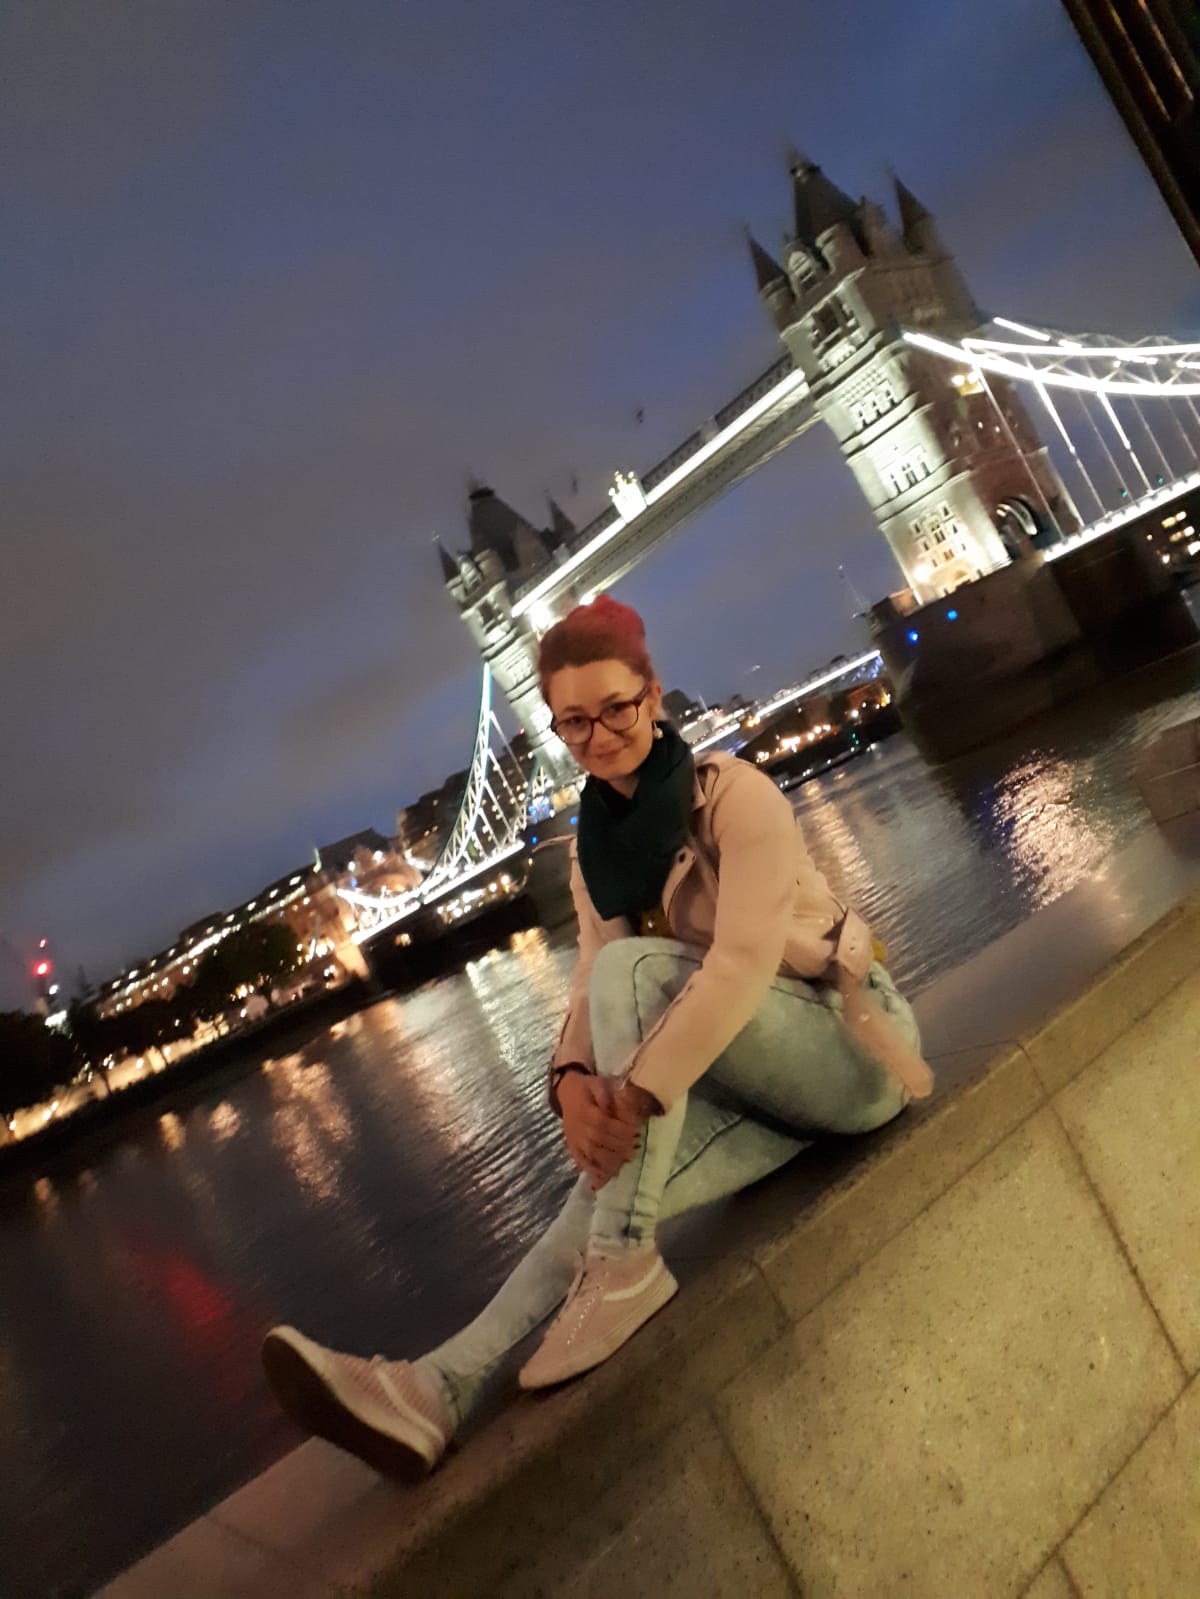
1152,368
1099,376
488,829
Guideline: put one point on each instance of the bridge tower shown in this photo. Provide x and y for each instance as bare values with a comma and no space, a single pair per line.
955,475
505,550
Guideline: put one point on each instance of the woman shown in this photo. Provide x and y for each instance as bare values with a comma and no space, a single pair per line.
724,1007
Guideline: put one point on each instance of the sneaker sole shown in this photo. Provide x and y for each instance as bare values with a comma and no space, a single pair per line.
293,1368
664,1290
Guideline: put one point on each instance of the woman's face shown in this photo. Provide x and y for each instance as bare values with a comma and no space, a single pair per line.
578,691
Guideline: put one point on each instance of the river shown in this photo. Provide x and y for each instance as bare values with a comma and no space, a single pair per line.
375,1185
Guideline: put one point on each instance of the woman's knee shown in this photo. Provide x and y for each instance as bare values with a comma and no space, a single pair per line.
632,982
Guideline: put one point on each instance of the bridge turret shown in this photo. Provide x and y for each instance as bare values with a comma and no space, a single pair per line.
562,528
505,550
917,226
773,287
818,204
878,235
449,564
937,462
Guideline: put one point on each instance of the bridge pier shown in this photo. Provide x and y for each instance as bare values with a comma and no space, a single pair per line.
971,666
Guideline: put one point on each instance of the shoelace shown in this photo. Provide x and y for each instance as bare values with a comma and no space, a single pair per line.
587,1287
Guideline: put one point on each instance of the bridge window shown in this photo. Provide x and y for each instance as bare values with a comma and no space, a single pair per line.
824,323
908,471
832,320
804,270
939,527
877,402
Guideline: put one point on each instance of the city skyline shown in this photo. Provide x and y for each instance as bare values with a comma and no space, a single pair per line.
258,361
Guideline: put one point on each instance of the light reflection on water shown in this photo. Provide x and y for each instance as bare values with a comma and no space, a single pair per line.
374,1185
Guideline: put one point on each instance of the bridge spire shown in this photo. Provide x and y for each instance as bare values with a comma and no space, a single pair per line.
561,525
449,564
917,227
767,270
820,204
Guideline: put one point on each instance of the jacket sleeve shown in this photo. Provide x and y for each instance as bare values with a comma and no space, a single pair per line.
754,830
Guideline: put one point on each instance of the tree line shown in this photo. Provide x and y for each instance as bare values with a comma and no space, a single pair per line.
36,1061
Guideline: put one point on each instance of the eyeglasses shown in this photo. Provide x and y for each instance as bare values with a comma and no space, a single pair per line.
576,730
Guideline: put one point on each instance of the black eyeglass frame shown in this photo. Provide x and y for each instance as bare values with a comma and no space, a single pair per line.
582,716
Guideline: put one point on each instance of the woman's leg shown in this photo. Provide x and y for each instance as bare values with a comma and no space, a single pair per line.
792,1069
535,1288
718,1152
712,1144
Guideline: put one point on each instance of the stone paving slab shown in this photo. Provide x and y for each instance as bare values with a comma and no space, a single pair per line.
1135,1119
943,1419
1051,1582
1142,1537
682,1516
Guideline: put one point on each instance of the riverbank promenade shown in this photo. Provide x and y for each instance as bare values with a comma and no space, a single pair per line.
957,1358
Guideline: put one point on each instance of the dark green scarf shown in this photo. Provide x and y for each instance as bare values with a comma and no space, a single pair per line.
626,846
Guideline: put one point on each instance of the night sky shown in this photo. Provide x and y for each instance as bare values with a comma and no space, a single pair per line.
278,279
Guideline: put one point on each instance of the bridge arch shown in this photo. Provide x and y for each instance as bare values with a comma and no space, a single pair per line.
1021,525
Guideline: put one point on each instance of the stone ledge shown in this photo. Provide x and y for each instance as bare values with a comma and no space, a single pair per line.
1128,988
321,1524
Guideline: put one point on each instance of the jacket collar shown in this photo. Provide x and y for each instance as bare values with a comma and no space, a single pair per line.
707,767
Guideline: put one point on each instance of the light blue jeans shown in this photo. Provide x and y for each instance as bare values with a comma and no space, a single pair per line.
792,1071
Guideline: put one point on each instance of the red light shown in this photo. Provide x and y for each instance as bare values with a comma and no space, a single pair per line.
42,969
42,942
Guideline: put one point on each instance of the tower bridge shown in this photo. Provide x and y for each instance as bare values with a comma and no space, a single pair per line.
882,342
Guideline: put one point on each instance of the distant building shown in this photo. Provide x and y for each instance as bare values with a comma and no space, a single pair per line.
306,899
1148,54
680,708
423,827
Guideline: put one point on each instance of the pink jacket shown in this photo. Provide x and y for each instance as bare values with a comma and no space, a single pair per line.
773,914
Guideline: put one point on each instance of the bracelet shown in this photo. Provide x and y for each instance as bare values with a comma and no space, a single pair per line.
557,1073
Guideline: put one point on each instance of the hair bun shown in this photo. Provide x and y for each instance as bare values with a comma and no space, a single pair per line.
607,615
603,630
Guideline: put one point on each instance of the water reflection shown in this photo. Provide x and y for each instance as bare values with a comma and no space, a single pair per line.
224,1122
309,1124
1048,837
172,1130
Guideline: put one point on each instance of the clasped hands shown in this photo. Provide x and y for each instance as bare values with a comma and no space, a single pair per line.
601,1122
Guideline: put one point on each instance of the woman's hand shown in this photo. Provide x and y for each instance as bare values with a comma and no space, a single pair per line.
635,1102
599,1126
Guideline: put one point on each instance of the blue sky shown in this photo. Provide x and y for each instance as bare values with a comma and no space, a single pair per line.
280,278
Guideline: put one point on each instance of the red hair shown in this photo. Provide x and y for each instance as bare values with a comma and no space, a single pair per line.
605,630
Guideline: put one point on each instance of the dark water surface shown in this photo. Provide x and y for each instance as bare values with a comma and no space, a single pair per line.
374,1186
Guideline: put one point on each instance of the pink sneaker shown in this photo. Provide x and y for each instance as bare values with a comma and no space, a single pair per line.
383,1411
609,1300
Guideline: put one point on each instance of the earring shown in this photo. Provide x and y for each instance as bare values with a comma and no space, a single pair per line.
658,732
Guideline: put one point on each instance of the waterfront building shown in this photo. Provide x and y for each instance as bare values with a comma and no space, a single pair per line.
307,900
1148,54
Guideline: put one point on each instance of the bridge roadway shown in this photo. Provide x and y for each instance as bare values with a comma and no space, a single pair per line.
763,419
